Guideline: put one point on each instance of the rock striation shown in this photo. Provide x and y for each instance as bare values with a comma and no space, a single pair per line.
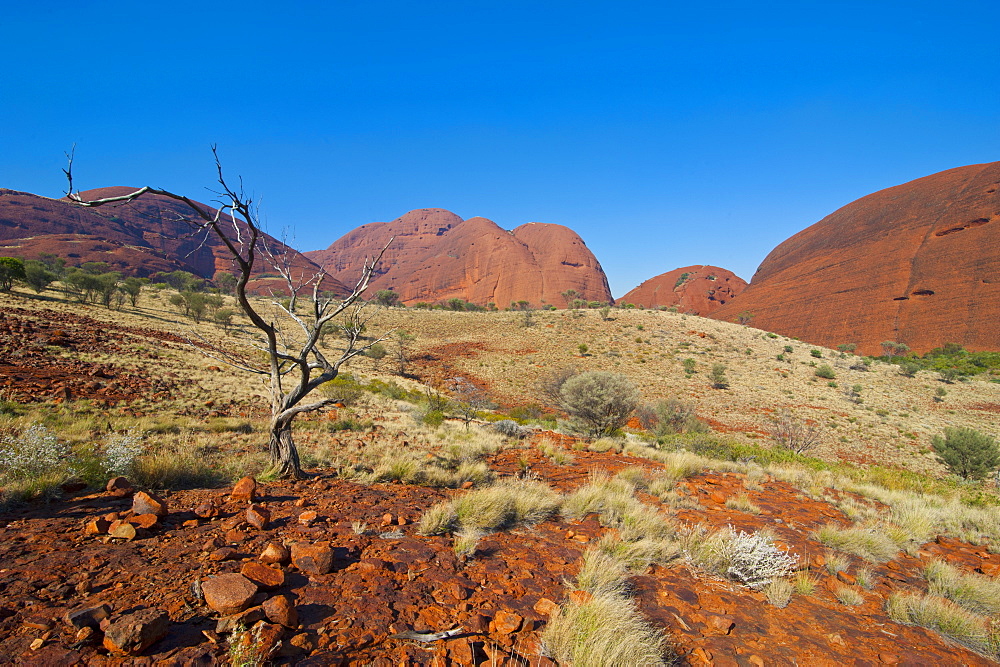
698,290
916,264
435,255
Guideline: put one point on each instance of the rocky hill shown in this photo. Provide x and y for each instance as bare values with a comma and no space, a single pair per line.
916,264
698,290
138,238
435,255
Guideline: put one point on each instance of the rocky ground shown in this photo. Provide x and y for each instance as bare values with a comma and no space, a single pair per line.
330,571
338,575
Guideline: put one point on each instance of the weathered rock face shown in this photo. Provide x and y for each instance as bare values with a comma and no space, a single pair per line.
918,264
138,238
435,256
699,290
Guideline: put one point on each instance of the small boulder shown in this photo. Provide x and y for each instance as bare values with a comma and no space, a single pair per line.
308,517
206,510
506,622
275,552
280,610
122,530
133,633
97,527
258,517
228,594
146,521
119,487
88,617
313,558
147,503
268,578
244,491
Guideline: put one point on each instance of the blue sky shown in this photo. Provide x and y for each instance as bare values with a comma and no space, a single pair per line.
665,134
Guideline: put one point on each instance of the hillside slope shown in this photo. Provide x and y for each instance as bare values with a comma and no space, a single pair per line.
917,264
698,290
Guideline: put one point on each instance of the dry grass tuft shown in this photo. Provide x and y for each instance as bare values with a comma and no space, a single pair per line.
867,543
947,618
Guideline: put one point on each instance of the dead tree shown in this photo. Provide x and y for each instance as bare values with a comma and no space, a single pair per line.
295,364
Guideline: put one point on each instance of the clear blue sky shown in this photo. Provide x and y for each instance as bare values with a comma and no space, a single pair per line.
665,134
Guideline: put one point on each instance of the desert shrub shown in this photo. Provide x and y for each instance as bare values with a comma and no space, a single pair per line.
601,402
689,366
121,452
35,453
753,560
718,376
432,417
792,433
908,368
816,354
509,429
344,389
967,452
825,371
670,416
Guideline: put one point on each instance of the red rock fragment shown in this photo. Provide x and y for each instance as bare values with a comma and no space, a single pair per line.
308,517
134,633
244,491
146,521
280,610
546,607
244,619
97,527
506,622
206,510
228,594
268,578
87,617
122,530
275,552
119,487
147,503
313,558
718,624
221,554
258,517
580,597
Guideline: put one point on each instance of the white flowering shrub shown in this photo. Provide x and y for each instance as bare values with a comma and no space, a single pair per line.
753,560
121,452
36,452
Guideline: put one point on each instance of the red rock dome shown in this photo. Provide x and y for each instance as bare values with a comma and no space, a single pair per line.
699,290
918,264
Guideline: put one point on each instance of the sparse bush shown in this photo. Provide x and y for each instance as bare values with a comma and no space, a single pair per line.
816,354
967,452
908,368
718,376
825,371
794,434
121,453
600,401
753,560
670,416
689,366
509,429
35,453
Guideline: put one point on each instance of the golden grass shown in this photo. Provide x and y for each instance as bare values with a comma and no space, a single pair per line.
947,618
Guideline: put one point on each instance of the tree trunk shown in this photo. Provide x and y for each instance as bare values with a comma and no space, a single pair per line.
284,455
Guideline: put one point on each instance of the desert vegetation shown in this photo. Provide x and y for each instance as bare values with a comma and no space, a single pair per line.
616,479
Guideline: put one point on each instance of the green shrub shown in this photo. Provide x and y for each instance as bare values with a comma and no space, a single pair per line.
816,353
967,452
718,376
601,402
826,372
